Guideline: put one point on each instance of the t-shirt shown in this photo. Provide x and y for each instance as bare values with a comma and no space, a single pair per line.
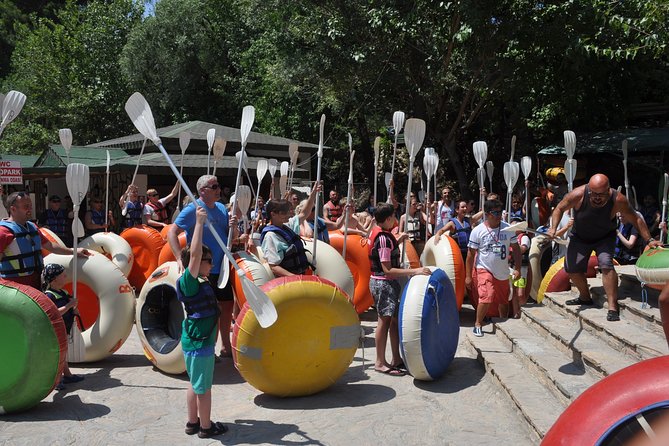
274,246
493,248
218,216
202,328
444,214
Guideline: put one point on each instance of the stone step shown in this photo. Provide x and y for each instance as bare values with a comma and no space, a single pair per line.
537,405
631,301
566,377
571,337
626,335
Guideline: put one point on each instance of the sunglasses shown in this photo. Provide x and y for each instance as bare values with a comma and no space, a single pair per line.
495,213
208,260
213,187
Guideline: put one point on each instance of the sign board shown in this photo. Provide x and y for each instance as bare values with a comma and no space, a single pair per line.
11,172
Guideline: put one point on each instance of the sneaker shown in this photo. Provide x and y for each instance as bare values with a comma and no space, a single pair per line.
478,332
215,430
72,379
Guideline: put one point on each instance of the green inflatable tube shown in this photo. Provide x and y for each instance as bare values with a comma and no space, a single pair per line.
652,267
33,348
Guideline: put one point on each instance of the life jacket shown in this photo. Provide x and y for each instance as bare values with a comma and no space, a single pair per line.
23,256
134,215
61,298
322,230
374,259
414,228
295,257
56,221
334,211
160,210
97,218
203,304
462,231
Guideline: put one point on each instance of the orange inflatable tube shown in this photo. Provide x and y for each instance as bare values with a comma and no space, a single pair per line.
166,252
146,244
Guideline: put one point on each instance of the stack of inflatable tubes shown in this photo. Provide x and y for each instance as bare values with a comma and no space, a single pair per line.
557,279
158,319
112,246
255,271
33,348
429,325
106,303
607,412
652,267
300,354
357,259
146,244
52,237
166,254
447,256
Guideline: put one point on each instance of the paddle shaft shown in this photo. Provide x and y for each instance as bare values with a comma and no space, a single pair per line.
107,199
240,167
139,159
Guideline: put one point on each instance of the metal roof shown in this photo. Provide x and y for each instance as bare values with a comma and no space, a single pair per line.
638,141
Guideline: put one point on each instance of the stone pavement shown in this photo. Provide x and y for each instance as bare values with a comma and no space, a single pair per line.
124,400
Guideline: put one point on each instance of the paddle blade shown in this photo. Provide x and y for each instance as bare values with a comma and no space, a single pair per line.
480,152
11,107
261,170
244,160
570,143
480,177
77,177
570,170
387,178
211,137
414,134
320,136
65,139
520,226
283,184
292,149
184,141
219,148
513,147
526,164
398,122
108,162
490,168
427,159
625,149
285,166
260,304
350,171
243,195
78,228
140,114
2,104
248,117
293,158
272,165
377,149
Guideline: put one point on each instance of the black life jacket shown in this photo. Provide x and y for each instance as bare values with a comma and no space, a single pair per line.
203,304
295,257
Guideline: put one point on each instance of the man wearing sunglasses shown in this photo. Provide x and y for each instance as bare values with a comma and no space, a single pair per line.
217,215
20,243
595,206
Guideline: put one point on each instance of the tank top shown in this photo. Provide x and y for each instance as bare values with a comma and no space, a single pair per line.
594,224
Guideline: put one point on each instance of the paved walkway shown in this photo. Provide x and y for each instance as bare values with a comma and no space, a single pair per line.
124,400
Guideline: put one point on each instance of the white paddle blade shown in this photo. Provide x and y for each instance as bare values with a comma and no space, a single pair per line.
292,149
273,164
526,164
350,171
2,104
293,158
320,136
261,170
140,114
520,226
244,161
570,170
625,149
398,121
285,166
387,178
77,178
184,141
108,162
350,143
570,143
243,196
377,149
78,228
513,147
219,148
11,107
480,152
427,159
65,139
263,308
211,137
283,184
248,117
414,134
490,168
480,177
224,275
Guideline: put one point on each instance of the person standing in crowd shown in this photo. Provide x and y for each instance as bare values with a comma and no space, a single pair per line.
94,220
21,243
489,247
55,218
628,247
131,207
262,211
155,210
445,208
651,214
517,208
414,227
332,210
459,227
595,207
209,191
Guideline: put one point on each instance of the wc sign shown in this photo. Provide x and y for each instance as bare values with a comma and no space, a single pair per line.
10,172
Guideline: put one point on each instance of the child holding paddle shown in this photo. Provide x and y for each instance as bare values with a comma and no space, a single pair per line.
199,332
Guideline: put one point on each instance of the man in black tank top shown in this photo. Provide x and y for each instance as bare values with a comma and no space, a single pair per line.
595,206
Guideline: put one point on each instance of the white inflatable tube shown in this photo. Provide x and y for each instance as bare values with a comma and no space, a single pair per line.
332,266
112,246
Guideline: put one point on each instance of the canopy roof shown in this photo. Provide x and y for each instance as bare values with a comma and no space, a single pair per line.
639,141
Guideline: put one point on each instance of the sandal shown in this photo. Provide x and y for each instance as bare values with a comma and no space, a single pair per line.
193,428
612,316
215,430
578,301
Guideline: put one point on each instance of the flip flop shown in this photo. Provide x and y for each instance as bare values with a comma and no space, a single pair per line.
400,366
392,372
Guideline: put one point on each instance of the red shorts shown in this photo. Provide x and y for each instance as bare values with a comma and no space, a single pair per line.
490,289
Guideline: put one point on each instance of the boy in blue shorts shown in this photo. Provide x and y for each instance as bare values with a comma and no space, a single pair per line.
199,332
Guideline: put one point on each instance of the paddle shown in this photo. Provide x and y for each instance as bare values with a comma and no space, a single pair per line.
435,156
243,197
489,167
283,179
293,154
414,134
66,141
107,194
140,113
318,181
245,164
526,165
77,178
219,150
2,103
634,198
11,107
272,165
184,141
248,116
511,171
377,148
627,182
480,152
348,194
387,177
430,168
480,179
522,226
124,211
211,136
664,205
261,170
398,122
513,147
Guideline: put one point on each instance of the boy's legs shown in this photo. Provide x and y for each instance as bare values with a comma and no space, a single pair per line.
394,334
191,404
380,338
481,311
204,409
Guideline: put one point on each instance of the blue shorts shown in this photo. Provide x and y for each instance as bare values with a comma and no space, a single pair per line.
200,370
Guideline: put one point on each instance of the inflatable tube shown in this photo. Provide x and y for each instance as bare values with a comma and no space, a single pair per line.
357,259
330,265
557,279
429,325
166,252
33,348
652,267
538,248
411,255
164,231
112,246
103,289
605,414
158,318
146,244
447,256
255,272
308,348
52,237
